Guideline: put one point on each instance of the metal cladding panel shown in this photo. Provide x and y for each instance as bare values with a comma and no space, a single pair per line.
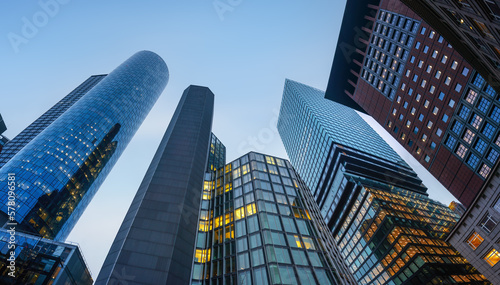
155,244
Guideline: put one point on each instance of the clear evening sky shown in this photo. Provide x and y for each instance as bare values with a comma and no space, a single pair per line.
242,50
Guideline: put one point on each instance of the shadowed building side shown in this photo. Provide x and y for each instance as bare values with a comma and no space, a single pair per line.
155,242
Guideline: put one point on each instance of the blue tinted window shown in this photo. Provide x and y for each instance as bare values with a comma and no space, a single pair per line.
488,130
478,81
473,161
492,156
450,142
441,96
464,112
495,114
480,146
490,91
483,105
420,117
457,127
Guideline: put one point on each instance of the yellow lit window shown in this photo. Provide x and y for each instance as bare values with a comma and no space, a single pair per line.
297,241
207,195
237,172
202,255
229,218
475,240
245,169
230,232
307,213
270,160
239,213
492,257
218,222
204,226
229,186
228,168
308,243
251,209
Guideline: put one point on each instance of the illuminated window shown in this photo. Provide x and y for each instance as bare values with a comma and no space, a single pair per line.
435,110
309,243
239,213
434,54
454,65
485,171
444,59
420,63
476,121
461,150
468,136
492,257
475,240
471,96
426,103
202,255
423,83
294,241
251,209
429,124
418,97
413,110
429,68
447,80
424,137
431,90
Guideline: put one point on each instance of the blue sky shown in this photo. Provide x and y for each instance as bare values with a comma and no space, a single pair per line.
242,50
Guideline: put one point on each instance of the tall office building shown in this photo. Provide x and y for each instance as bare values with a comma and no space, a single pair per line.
59,171
388,230
259,224
310,126
33,130
155,243
421,90
472,27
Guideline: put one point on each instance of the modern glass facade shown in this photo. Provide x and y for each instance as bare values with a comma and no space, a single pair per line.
42,262
59,171
309,125
33,130
395,236
256,227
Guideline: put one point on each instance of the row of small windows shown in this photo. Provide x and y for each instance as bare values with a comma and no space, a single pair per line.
398,20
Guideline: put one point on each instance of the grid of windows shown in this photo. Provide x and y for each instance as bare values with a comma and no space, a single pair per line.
480,117
388,52
262,227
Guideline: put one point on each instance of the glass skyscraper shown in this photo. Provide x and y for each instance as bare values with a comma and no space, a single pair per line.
35,128
59,171
259,225
309,126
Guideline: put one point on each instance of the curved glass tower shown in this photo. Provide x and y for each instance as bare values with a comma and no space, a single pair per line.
60,170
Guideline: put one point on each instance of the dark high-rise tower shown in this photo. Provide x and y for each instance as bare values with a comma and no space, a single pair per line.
33,130
155,243
59,171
